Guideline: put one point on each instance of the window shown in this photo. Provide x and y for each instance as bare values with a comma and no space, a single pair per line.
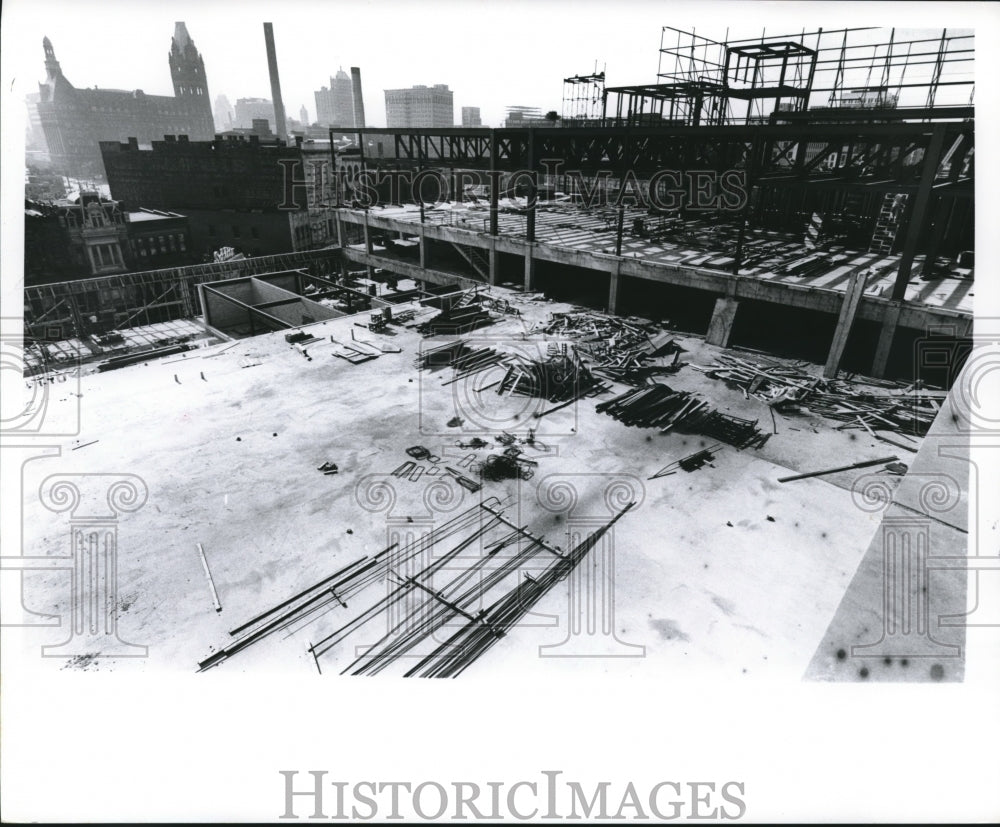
254,232
163,244
173,243
236,231
180,242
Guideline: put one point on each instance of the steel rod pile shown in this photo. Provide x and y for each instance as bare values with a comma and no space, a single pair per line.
334,591
481,631
659,406
909,410
488,567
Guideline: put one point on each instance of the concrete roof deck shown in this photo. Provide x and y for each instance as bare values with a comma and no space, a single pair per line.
722,572
591,231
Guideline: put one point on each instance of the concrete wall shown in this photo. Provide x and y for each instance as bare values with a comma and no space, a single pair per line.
296,312
222,312
286,281
291,313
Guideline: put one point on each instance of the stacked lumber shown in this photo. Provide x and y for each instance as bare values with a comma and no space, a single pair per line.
458,355
659,406
907,410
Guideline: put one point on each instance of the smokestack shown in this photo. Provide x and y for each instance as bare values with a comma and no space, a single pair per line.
359,103
280,126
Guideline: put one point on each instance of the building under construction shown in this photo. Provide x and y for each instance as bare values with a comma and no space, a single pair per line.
706,334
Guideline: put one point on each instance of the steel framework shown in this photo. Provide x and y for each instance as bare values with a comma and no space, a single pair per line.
704,81
583,99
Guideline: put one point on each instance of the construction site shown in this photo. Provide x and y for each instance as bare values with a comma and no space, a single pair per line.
670,387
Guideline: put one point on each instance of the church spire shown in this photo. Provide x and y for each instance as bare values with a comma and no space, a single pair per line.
181,37
52,67
187,69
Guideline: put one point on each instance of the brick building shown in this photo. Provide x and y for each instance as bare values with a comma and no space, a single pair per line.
234,191
74,121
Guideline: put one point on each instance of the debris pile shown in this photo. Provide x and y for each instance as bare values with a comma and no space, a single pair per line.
560,377
618,349
910,409
659,406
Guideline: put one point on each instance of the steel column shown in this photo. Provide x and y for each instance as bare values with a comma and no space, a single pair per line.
919,213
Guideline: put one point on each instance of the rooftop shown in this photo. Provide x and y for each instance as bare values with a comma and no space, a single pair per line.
243,426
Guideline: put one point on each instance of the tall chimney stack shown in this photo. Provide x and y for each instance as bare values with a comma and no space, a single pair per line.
359,103
280,126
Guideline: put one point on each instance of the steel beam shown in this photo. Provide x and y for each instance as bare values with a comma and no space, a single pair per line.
918,214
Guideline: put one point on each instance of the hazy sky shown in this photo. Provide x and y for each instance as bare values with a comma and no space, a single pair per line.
491,54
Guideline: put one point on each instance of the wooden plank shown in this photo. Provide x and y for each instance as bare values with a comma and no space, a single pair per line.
848,310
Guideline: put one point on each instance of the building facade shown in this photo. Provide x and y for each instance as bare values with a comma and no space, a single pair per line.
335,104
69,239
249,110
158,239
420,107
470,116
257,196
74,121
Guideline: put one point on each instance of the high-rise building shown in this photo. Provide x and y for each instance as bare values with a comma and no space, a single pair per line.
249,110
223,114
420,107
335,105
303,116
470,116
75,121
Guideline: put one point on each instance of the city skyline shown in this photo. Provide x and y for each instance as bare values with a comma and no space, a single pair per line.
531,73
236,65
